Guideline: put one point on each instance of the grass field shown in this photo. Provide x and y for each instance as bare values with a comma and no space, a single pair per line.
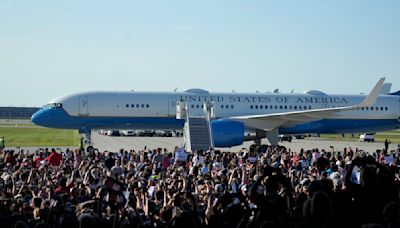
26,136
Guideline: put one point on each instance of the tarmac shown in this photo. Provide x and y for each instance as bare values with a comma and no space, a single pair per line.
115,143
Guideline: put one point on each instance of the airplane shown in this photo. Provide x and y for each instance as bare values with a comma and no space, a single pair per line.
269,114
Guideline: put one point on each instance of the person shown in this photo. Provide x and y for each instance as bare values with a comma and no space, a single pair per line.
278,188
54,158
110,161
82,144
2,143
387,145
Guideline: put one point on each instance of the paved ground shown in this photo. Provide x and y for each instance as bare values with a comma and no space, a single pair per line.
115,143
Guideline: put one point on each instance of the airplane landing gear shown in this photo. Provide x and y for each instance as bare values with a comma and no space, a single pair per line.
257,141
273,137
86,140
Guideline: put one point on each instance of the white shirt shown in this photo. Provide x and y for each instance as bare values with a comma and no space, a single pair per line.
198,160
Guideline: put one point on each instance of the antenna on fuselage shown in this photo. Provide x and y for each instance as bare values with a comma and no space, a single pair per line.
276,90
176,89
292,91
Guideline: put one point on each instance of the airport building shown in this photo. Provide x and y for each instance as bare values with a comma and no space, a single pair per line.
17,112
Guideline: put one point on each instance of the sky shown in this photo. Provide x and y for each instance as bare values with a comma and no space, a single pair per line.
53,47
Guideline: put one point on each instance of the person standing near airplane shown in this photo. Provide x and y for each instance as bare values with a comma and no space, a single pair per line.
387,144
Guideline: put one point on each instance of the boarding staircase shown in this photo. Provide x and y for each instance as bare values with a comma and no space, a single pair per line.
197,131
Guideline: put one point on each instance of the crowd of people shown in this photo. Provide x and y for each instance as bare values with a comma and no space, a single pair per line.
260,186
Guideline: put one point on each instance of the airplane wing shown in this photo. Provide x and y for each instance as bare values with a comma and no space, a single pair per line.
269,122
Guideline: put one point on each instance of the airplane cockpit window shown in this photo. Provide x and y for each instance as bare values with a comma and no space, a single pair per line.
53,106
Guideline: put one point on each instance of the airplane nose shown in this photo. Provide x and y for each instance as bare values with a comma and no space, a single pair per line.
34,118
37,118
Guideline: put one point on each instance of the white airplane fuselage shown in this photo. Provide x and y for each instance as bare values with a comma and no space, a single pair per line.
157,110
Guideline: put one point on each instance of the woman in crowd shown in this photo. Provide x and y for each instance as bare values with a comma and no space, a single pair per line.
256,187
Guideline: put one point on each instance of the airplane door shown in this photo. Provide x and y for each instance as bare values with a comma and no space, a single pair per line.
171,106
83,106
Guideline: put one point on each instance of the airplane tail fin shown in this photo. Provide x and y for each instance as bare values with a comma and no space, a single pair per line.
373,95
386,88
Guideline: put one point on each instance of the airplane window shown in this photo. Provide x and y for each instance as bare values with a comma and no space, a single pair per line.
197,106
232,106
372,109
276,106
377,108
132,106
309,107
142,105
266,106
366,108
261,107
147,106
127,106
290,107
202,106
281,107
285,107
295,107
386,108
222,106
305,107
251,106
256,106
192,106
381,108
227,106
137,106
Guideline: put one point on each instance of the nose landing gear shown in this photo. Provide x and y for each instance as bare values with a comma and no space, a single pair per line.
86,139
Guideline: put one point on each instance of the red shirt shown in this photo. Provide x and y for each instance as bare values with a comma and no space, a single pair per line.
54,159
166,163
37,161
10,159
